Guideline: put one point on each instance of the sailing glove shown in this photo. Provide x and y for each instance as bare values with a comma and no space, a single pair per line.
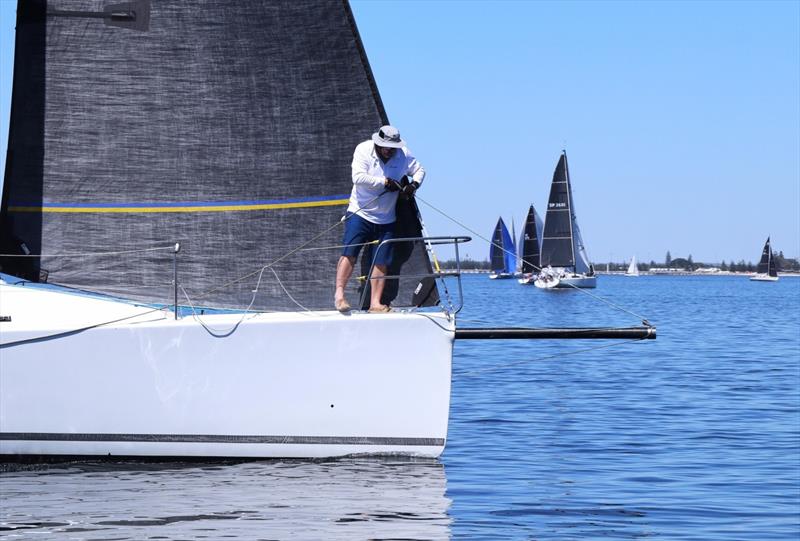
391,185
410,188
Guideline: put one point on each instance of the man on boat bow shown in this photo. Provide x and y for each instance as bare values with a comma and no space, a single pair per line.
378,166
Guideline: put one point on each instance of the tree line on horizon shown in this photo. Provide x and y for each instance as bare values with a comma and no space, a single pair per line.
680,263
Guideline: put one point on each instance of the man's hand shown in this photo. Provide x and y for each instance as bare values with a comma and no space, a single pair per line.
410,188
391,185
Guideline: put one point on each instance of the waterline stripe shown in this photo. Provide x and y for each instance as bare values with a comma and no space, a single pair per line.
134,208
213,438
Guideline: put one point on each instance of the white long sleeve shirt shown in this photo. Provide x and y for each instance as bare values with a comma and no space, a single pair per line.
369,175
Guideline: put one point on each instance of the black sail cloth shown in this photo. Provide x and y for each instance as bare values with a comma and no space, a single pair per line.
557,248
226,126
562,242
766,264
529,252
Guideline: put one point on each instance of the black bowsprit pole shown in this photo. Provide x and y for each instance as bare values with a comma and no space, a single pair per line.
513,333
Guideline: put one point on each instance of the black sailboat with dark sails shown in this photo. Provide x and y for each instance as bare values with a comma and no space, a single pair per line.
502,253
564,260
767,270
529,247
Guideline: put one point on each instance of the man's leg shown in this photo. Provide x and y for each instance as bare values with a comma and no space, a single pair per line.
343,271
376,287
383,258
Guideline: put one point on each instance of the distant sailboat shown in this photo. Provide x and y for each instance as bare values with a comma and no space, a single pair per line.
767,270
502,253
529,247
563,259
633,269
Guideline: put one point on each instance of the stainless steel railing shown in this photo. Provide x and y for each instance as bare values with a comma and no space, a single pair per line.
451,307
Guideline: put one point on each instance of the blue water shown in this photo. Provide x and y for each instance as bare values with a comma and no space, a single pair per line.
693,436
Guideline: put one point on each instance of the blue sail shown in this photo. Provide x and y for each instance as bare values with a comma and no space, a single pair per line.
510,252
502,251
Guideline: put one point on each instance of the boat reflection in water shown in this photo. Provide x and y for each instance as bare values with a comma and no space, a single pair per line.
348,498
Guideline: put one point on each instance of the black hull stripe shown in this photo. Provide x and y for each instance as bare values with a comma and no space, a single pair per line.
213,438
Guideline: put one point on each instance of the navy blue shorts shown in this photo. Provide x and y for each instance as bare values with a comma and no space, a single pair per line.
358,231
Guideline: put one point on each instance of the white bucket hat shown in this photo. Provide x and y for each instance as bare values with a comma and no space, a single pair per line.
388,136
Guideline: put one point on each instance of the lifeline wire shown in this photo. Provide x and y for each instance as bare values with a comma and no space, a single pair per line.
597,297
213,332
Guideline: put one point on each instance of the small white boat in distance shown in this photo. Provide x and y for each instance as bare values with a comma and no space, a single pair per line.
767,270
633,269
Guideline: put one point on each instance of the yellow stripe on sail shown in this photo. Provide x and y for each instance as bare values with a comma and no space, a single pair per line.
187,208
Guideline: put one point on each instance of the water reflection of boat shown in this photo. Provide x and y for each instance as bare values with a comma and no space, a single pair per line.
334,500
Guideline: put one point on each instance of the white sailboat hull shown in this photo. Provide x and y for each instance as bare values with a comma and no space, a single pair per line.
500,276
312,384
556,279
763,278
577,280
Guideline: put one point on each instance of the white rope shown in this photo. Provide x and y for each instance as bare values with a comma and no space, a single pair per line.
287,292
219,333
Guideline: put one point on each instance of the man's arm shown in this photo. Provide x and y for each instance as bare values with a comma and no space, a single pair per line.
360,167
415,171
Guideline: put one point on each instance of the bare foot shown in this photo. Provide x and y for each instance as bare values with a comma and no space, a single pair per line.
342,305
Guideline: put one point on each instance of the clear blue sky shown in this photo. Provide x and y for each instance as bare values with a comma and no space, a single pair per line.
681,119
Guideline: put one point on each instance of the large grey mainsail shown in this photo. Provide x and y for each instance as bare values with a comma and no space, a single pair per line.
226,126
